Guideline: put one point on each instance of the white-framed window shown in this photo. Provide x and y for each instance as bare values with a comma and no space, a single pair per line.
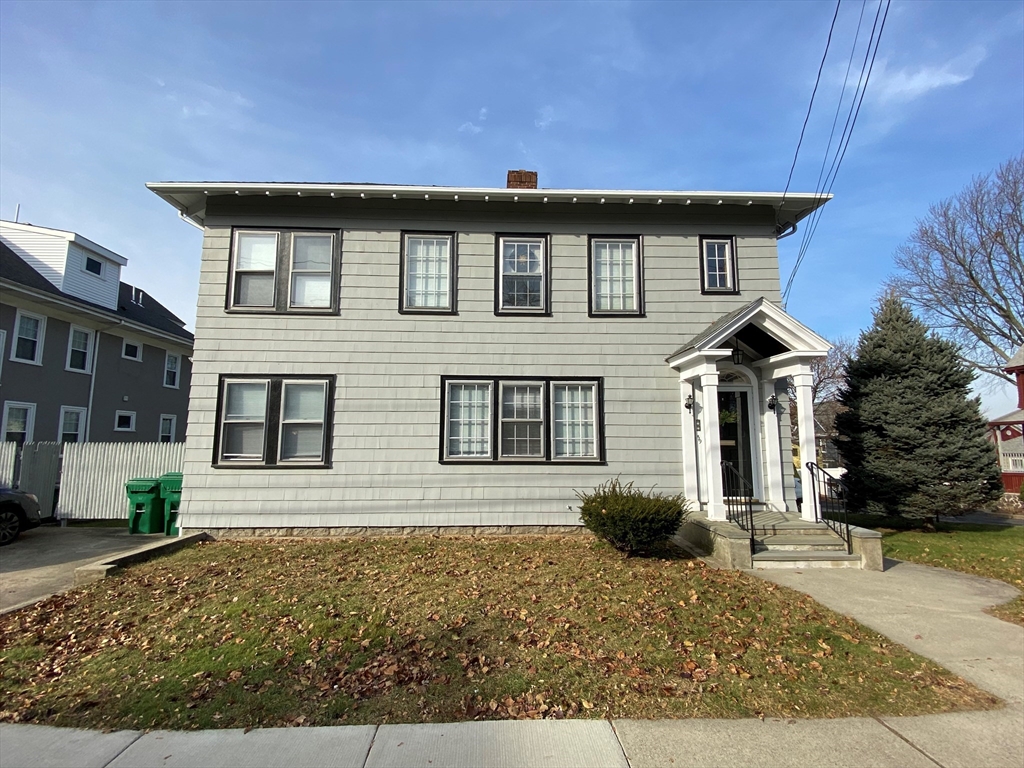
3,350
574,420
72,424
124,421
29,333
522,275
274,421
80,343
168,428
467,426
131,350
521,428
428,273
312,256
615,271
521,420
19,422
255,269
172,370
718,264
94,266
284,271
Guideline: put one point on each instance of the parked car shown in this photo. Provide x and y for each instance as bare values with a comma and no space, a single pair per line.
19,511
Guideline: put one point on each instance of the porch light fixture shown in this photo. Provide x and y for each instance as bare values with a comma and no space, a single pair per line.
737,354
688,405
772,402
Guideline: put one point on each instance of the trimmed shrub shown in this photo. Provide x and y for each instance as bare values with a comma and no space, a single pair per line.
629,519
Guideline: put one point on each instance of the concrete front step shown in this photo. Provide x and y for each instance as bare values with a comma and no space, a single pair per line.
805,559
795,528
818,543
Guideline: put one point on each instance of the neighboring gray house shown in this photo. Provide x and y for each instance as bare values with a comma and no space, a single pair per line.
399,356
83,356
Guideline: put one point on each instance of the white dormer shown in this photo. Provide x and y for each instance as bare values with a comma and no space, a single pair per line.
74,264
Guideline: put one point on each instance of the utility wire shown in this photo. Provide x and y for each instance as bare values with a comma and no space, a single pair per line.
844,139
814,91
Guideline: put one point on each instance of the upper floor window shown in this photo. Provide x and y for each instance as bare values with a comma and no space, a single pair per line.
522,275
284,271
131,350
718,265
274,421
521,420
79,350
29,331
428,273
172,364
93,265
124,421
616,276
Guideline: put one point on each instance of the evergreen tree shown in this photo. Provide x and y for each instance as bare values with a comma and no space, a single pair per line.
911,438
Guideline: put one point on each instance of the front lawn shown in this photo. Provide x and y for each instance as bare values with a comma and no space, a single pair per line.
430,629
996,552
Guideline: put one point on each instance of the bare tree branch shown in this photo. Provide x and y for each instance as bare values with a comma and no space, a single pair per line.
961,269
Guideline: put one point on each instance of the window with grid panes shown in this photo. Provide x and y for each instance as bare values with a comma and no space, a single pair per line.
523,266
615,271
719,265
468,422
522,421
428,273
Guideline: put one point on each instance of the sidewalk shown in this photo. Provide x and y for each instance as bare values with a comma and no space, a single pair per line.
934,612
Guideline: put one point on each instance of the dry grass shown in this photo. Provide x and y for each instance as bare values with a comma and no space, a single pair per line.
307,632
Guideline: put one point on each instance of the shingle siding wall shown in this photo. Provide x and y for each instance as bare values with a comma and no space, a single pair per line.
386,418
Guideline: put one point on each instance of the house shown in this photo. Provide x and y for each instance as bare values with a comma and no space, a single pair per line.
84,356
392,357
1007,432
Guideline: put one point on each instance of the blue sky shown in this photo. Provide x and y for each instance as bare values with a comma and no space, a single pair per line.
98,98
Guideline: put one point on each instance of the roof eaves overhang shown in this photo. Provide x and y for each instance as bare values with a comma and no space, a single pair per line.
189,198
72,307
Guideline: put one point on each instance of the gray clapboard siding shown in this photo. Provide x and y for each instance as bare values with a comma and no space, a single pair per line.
386,412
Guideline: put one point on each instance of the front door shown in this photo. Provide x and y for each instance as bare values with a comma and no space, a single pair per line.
734,436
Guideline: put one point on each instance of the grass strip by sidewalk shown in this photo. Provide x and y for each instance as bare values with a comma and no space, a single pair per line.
433,629
995,552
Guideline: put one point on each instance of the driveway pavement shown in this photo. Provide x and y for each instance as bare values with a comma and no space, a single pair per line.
42,562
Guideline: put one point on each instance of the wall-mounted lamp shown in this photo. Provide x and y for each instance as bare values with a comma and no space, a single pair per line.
737,354
688,405
772,402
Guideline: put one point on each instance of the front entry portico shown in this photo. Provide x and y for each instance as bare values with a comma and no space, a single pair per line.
732,388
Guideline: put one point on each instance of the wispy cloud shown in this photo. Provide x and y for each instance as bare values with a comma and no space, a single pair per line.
483,114
890,85
545,117
470,128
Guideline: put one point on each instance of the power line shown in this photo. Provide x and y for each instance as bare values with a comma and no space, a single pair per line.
844,140
817,80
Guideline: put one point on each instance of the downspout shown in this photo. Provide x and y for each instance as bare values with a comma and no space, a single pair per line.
92,378
787,232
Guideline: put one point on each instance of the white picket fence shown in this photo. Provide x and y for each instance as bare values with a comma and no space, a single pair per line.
94,474
8,455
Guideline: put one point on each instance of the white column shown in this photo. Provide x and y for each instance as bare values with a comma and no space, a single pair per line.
774,494
690,465
808,449
712,446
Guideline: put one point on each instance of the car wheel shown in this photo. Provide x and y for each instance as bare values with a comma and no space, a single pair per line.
10,526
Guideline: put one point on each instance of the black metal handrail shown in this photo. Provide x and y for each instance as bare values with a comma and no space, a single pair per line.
829,495
739,500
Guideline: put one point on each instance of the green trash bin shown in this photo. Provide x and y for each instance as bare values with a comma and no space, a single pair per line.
147,505
170,490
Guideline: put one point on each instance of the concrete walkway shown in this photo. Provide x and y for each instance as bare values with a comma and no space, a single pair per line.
937,613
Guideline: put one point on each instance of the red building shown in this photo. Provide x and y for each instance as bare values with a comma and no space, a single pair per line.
1007,432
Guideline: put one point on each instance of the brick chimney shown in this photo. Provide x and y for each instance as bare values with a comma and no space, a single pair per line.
522,180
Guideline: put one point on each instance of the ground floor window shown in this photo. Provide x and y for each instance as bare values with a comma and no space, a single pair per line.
19,422
274,421
72,424
168,426
521,420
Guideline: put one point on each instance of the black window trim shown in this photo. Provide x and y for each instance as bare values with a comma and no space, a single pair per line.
453,274
283,272
272,422
548,437
545,310
641,306
732,290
